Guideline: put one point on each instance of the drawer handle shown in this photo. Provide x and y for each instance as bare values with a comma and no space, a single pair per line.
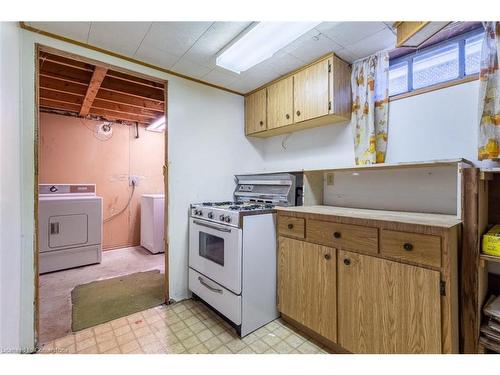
337,235
290,226
347,261
327,256
408,246
202,282
298,113
261,123
287,116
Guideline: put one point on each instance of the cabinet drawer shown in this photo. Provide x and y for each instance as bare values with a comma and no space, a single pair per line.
291,226
343,236
419,248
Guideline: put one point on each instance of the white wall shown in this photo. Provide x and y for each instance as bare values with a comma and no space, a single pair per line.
10,188
441,124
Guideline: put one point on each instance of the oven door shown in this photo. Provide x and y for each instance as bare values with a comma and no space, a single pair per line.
215,251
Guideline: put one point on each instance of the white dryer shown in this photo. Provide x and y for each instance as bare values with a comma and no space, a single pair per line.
70,226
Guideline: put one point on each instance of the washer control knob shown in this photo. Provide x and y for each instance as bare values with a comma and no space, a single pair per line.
227,219
210,215
221,217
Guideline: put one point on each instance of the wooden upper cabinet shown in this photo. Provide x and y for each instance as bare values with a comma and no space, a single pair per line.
256,112
307,285
312,91
280,103
318,94
387,307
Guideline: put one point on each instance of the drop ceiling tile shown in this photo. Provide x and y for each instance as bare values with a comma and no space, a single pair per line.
190,68
121,37
314,47
219,77
384,39
346,55
285,63
348,33
243,86
73,30
156,56
175,37
263,71
213,40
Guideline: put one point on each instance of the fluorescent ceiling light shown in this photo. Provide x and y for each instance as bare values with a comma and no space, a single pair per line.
157,126
260,43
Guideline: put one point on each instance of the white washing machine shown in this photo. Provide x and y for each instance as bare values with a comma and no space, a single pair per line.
70,226
152,222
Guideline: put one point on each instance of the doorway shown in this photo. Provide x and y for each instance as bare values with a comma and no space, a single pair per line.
101,139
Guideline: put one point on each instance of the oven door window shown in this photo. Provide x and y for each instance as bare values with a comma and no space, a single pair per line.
212,248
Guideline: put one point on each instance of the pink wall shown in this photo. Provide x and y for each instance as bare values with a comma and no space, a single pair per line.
70,152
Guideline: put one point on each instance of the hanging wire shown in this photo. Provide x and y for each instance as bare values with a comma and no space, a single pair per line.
124,208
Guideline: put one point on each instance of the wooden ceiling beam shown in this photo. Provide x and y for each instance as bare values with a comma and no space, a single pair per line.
125,108
52,104
62,86
61,97
113,116
94,85
120,98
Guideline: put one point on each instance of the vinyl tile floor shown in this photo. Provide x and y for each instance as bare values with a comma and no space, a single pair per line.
55,287
185,327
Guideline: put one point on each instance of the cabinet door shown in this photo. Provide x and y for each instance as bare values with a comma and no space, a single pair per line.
280,103
312,92
255,112
387,307
307,285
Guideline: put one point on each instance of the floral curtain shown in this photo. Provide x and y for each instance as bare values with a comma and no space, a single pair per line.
489,94
370,98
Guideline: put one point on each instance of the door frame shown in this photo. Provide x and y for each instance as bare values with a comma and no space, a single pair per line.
44,48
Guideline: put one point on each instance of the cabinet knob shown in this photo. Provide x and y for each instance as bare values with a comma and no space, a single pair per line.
287,116
408,246
347,261
290,226
261,123
298,113
337,235
327,256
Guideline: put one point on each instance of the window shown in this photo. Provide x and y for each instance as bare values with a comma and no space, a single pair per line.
447,61
436,66
473,54
398,78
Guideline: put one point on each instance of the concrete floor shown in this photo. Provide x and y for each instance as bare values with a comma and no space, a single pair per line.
55,288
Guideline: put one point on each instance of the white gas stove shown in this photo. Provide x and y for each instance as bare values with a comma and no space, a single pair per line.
232,250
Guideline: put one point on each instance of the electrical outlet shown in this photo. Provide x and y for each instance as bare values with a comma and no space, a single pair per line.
329,179
133,180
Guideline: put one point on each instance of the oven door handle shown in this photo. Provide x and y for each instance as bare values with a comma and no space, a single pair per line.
202,282
212,226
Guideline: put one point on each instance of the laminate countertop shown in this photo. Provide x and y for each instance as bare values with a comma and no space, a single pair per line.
435,220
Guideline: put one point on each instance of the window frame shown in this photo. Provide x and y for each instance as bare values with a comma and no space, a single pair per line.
462,77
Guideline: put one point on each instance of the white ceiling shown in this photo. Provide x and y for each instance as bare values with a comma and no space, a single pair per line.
190,48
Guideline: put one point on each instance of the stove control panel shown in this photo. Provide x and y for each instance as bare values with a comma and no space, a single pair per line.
217,215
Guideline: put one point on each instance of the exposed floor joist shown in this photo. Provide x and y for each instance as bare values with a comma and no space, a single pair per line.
81,89
92,89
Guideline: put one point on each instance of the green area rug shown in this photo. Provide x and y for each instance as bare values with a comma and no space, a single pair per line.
101,301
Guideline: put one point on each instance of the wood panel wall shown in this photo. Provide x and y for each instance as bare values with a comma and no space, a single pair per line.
70,152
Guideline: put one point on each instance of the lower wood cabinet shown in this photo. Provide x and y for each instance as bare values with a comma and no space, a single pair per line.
387,307
307,289
381,298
